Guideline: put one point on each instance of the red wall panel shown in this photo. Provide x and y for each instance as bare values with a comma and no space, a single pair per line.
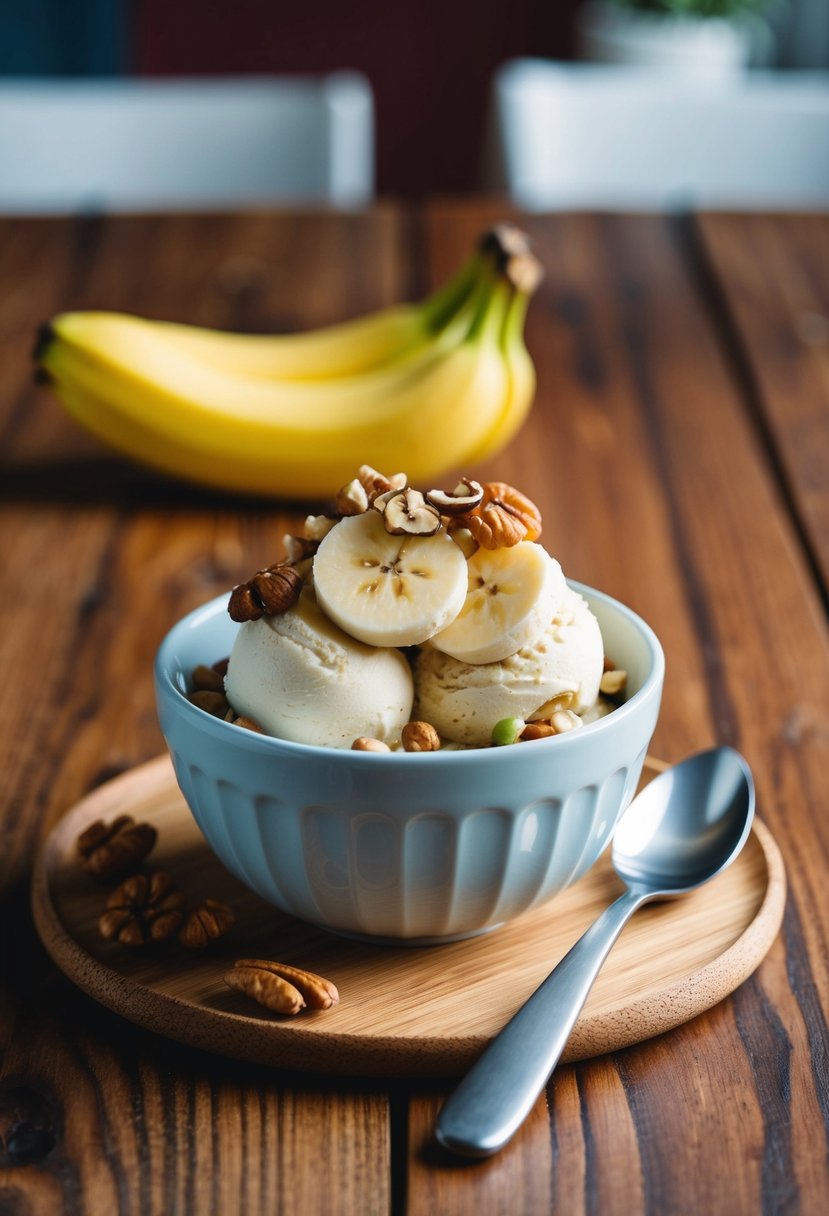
430,63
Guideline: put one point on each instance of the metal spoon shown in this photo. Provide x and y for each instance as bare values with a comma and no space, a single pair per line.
687,825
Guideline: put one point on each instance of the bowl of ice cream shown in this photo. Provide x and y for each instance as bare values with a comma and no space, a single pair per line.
304,789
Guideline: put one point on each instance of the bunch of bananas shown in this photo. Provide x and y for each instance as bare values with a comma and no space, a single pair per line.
430,386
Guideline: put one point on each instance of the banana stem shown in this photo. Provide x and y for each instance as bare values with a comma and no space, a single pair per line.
444,303
490,314
516,311
509,250
504,252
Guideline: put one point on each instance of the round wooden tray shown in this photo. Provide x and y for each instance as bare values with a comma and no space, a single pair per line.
404,1011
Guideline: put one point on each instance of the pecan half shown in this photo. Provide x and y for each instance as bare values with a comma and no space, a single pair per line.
145,908
280,987
210,920
270,591
504,518
107,849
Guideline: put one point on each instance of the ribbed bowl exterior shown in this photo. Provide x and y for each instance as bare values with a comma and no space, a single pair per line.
415,847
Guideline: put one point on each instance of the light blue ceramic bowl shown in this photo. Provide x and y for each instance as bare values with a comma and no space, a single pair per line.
414,847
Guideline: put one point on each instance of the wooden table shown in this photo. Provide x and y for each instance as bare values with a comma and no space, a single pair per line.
679,448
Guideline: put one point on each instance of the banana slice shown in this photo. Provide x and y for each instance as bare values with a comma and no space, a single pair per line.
511,598
388,590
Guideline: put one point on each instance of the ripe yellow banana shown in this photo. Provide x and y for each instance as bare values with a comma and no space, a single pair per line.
522,381
454,391
347,349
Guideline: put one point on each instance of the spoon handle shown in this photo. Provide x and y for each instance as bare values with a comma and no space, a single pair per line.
499,1091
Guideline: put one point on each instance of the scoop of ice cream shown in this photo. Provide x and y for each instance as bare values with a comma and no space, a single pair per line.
463,701
302,679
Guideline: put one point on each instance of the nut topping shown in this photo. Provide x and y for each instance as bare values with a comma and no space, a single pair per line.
375,483
280,987
466,495
317,527
107,849
565,719
381,501
145,908
504,518
352,498
299,548
613,682
562,700
364,744
270,591
560,721
463,538
210,920
207,679
537,730
420,737
407,512
214,703
248,724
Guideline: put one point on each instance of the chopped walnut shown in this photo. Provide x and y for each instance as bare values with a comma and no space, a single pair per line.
351,498
317,527
373,483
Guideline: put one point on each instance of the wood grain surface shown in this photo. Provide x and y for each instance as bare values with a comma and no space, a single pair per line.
404,1012
669,453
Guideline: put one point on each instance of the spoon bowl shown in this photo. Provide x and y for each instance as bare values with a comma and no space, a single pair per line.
685,827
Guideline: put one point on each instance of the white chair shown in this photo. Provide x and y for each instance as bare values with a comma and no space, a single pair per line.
567,136
121,145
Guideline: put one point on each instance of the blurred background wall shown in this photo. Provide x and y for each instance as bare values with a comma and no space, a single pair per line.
430,62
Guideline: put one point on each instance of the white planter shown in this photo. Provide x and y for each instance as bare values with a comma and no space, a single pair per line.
704,48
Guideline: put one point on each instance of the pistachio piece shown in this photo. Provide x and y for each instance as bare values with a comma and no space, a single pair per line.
466,495
407,512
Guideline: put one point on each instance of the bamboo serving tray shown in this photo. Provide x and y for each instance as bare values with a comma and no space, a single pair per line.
404,1011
